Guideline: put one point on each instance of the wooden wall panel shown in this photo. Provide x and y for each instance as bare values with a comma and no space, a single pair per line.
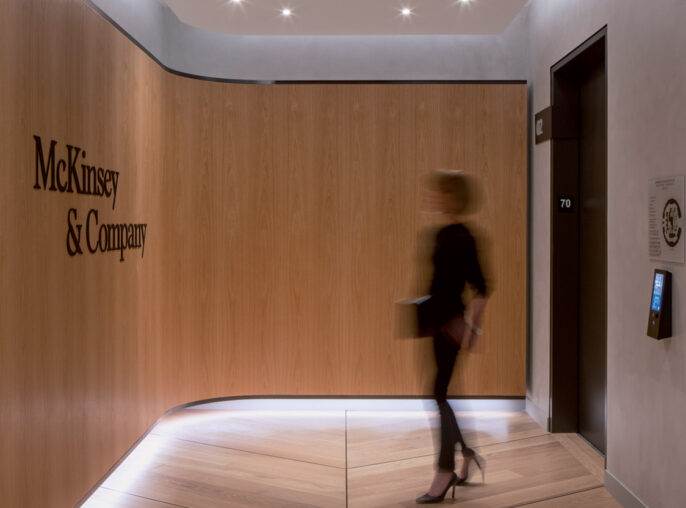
282,225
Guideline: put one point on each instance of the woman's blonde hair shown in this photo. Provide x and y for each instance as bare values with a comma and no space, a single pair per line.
460,186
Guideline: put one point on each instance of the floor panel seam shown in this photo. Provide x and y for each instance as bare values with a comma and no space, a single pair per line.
144,497
432,454
253,453
557,496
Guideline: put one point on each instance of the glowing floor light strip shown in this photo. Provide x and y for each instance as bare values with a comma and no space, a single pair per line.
310,404
124,478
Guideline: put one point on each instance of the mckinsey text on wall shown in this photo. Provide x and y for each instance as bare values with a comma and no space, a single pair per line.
73,174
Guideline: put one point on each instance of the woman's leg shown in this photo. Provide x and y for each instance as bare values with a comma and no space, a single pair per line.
445,352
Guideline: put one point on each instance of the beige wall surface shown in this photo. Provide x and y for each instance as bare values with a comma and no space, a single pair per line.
282,225
646,118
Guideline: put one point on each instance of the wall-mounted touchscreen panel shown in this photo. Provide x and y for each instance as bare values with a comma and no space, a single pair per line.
660,316
658,283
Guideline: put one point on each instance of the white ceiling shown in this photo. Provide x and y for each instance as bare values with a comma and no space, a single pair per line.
348,17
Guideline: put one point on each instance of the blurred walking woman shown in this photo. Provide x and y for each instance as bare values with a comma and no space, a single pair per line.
456,263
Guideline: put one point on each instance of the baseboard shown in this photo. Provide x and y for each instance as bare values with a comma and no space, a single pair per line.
621,492
538,414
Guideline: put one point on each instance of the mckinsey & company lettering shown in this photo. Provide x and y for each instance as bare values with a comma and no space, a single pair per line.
63,175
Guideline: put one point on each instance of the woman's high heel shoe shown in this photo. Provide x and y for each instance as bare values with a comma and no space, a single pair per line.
470,456
428,499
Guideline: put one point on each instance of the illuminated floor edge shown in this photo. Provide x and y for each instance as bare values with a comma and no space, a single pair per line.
314,452
363,404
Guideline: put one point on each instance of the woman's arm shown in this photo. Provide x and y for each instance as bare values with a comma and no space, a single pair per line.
473,316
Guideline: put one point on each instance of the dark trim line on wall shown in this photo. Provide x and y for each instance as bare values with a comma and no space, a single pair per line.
346,397
602,32
402,82
294,82
158,62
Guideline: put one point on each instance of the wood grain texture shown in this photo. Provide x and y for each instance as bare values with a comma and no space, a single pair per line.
107,498
517,472
190,459
594,498
194,474
319,439
283,225
584,453
378,437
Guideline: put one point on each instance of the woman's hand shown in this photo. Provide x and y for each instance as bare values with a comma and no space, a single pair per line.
464,329
476,310
457,331
476,313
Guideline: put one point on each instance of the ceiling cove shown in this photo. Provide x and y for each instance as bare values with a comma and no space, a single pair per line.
348,17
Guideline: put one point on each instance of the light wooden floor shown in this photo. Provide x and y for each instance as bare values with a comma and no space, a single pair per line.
213,458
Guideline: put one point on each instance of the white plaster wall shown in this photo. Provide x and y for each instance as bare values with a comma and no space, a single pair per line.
646,138
183,48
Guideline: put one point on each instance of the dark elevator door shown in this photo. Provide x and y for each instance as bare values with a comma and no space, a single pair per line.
579,242
592,256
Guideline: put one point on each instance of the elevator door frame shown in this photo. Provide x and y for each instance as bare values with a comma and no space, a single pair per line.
564,249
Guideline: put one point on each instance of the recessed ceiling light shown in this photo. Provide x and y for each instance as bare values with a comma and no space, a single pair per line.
236,1
405,11
286,12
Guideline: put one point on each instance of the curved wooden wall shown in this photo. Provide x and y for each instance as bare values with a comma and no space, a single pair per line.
282,225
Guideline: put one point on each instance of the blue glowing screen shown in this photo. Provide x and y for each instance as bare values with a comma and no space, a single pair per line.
657,292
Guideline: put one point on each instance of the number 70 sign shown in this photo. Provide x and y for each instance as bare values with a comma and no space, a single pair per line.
565,204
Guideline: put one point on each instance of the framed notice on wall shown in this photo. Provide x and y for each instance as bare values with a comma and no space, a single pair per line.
666,220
